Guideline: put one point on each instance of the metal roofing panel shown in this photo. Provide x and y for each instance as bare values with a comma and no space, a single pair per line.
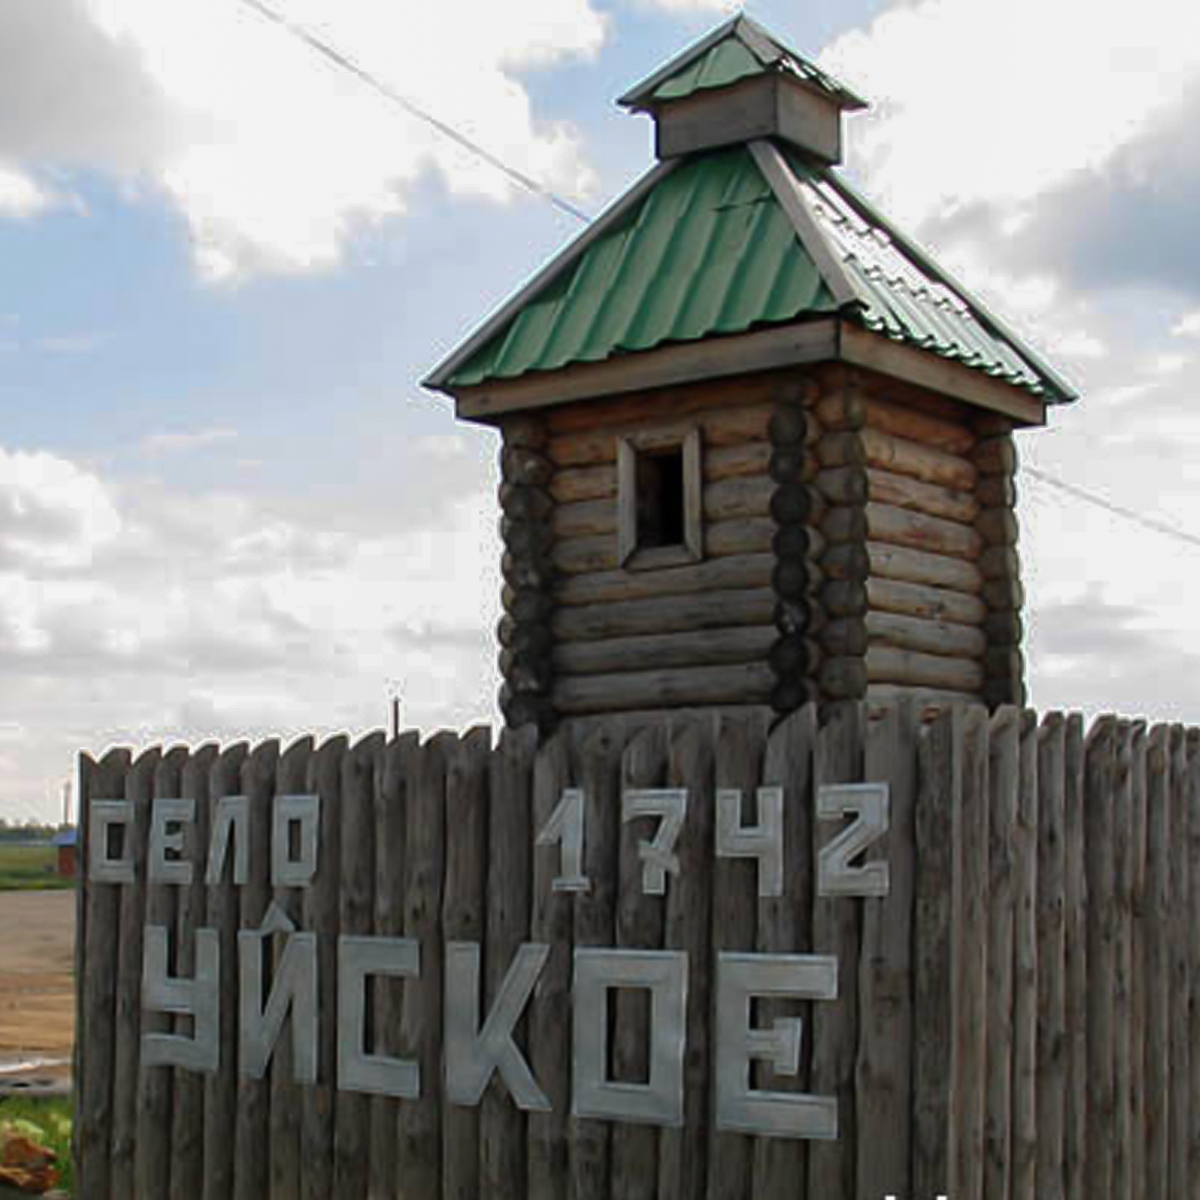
903,300
709,251
736,50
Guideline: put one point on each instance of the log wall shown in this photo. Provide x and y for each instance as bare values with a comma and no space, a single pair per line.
1016,1017
731,630
859,539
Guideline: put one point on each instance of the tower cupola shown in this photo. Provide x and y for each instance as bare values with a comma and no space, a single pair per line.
738,84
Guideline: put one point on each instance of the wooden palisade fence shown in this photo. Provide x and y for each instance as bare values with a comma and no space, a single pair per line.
1015,1017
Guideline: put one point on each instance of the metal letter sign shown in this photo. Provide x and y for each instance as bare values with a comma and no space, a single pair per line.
198,998
107,815
473,1054
358,1069
565,829
658,857
741,978
163,838
835,875
664,974
763,841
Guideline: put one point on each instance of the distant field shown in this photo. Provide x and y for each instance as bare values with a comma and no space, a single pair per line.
28,868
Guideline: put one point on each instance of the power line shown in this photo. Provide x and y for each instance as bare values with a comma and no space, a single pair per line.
346,64
1117,510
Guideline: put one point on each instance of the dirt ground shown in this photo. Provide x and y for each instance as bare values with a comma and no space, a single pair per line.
37,1000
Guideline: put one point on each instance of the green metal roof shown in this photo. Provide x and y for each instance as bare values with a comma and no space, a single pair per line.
711,249
737,50
708,251
903,299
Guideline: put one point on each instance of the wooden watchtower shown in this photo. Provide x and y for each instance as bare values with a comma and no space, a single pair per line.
758,445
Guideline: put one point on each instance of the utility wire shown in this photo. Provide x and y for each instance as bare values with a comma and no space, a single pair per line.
1116,510
346,64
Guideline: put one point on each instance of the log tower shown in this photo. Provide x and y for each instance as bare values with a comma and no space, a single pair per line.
757,445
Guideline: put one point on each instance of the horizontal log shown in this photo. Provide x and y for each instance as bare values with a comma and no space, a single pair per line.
525,430
998,526
530,636
726,427
572,484
922,600
787,465
791,579
522,503
997,491
903,527
788,426
844,523
526,604
996,456
843,485
527,570
794,655
747,460
845,637
794,617
749,683
1004,628
737,571
844,598
742,535
886,487
989,424
849,560
577,556
843,678
886,664
738,498
525,672
585,518
929,637
708,647
668,614
903,457
1003,594
919,566
520,465
1000,562
791,504
901,421
792,693
927,700
841,450
635,409
1004,662
842,409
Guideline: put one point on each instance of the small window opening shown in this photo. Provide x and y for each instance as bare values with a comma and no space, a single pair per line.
660,498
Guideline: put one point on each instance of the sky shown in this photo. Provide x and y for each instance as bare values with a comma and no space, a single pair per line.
227,508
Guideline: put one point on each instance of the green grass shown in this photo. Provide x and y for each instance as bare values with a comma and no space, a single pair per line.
27,868
45,1122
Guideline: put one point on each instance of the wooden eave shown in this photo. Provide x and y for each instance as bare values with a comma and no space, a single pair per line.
829,339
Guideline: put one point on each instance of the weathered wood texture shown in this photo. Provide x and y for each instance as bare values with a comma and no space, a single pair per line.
1013,1017
651,634
920,529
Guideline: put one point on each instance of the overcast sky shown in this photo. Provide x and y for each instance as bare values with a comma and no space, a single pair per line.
226,508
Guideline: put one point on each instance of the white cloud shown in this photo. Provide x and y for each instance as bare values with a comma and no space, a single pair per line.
277,157
52,513
1187,326
20,196
137,611
999,103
